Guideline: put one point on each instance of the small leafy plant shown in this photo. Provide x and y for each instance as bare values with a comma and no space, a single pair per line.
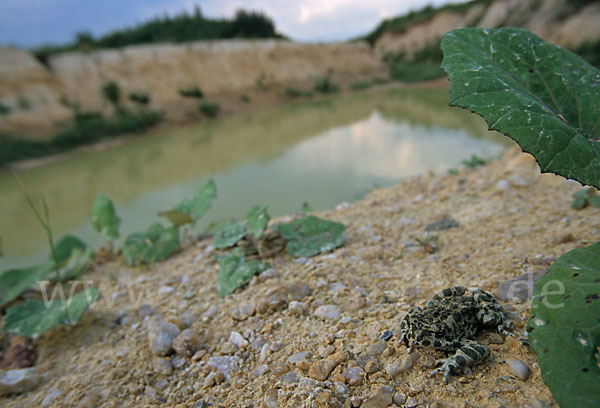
141,98
325,85
192,92
584,198
210,109
359,85
4,109
293,92
158,242
305,236
112,92
69,258
548,100
475,161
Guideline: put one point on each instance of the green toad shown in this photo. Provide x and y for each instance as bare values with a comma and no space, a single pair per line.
450,321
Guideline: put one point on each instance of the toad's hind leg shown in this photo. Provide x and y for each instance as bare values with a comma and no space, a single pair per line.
468,354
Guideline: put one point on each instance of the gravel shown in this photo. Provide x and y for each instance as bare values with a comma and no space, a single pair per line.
161,335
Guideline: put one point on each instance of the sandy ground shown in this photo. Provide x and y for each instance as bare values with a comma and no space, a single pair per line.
243,350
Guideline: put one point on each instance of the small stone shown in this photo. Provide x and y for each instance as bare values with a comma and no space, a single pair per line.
328,312
160,336
290,377
519,368
49,399
503,185
188,318
564,239
20,354
165,290
298,357
259,371
342,389
358,304
18,380
210,312
353,375
375,349
162,365
372,366
399,399
258,343
298,290
268,274
411,402
401,365
381,399
520,182
363,360
519,288
178,362
213,378
325,351
321,369
336,287
271,398
145,310
264,352
237,339
223,364
91,400
295,307
186,343
443,224
151,394
243,311
355,401
386,335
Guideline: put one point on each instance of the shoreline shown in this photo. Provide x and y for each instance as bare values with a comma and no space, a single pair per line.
272,98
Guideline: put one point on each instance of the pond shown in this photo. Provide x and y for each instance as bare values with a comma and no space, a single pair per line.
322,152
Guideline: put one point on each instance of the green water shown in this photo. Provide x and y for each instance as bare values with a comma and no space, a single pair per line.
322,152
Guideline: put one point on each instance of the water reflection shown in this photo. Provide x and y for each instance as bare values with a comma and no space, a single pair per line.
321,152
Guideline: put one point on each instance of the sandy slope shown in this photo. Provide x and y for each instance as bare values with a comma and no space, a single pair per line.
506,228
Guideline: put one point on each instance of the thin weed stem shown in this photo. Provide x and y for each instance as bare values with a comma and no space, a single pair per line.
44,221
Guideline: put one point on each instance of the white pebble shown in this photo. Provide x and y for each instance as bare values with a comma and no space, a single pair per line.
328,312
237,339
519,368
503,185
163,290
298,357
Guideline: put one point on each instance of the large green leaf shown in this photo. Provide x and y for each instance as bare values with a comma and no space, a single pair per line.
153,245
14,281
35,317
227,235
196,205
190,209
104,217
544,97
65,246
257,221
235,272
564,327
177,217
310,235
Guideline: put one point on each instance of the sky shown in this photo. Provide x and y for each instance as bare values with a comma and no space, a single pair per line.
29,23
